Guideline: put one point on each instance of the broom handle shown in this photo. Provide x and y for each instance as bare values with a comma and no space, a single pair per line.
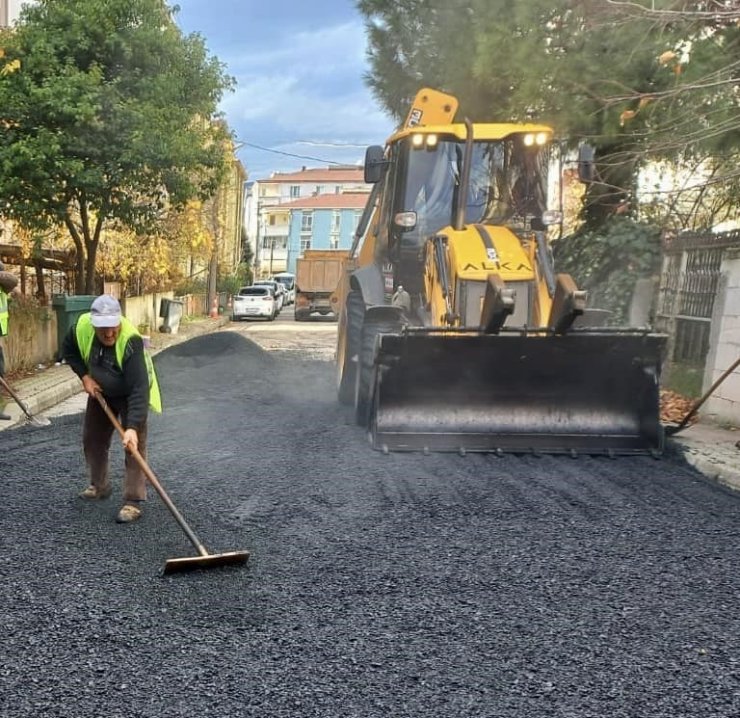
704,397
16,398
153,480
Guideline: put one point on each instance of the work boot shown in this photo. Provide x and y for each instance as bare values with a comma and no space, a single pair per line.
128,513
93,492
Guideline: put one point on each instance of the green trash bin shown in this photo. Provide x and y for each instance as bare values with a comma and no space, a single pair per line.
68,309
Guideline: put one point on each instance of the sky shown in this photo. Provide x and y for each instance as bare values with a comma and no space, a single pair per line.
299,69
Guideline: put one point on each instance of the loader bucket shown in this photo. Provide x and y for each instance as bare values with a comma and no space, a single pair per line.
588,391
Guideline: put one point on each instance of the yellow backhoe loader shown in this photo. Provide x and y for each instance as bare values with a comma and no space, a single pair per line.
455,331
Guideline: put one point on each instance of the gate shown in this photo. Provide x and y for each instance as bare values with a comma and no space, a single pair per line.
692,268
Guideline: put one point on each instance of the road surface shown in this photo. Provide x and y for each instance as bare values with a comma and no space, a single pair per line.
401,585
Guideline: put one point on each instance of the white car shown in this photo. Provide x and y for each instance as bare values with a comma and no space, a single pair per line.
254,302
277,289
288,281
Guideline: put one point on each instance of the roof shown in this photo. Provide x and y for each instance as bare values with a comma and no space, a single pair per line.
348,200
320,174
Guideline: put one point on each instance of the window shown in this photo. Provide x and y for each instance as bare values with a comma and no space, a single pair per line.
274,242
305,242
295,191
334,229
272,219
306,221
320,189
356,220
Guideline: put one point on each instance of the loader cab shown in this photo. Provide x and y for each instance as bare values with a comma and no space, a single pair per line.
507,184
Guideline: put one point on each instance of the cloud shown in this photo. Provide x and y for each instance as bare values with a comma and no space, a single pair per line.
325,49
305,87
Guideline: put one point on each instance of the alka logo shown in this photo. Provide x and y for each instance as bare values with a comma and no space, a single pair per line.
414,117
497,265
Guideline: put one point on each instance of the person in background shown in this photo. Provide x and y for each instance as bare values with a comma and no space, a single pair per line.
8,286
401,298
107,352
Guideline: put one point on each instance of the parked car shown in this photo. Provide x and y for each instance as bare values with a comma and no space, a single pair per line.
254,302
277,289
288,281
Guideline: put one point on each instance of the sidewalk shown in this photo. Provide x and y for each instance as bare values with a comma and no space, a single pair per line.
54,383
711,449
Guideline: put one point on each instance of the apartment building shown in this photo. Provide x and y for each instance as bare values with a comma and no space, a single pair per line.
327,221
10,10
273,216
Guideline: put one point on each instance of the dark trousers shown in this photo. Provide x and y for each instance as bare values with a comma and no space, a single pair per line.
97,432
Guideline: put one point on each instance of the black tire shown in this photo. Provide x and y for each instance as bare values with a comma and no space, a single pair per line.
366,368
347,369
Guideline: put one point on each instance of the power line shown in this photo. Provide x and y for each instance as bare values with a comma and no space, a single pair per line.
317,143
290,154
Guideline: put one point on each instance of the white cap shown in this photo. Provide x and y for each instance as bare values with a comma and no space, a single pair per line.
105,312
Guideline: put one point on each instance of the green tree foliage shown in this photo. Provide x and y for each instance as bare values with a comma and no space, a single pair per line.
107,120
607,262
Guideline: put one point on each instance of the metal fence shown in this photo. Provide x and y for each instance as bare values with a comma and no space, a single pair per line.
688,288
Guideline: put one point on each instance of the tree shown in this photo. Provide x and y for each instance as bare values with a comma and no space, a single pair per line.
108,120
640,81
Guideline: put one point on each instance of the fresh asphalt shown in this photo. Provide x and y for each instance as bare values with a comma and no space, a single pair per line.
401,585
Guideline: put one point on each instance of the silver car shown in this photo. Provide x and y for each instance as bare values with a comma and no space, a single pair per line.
277,289
288,281
254,302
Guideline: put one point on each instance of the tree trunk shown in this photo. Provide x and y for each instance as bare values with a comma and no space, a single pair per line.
40,285
92,253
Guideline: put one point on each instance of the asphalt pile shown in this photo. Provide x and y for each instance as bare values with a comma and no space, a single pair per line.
401,585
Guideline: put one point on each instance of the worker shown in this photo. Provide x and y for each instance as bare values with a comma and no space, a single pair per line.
401,298
107,352
8,286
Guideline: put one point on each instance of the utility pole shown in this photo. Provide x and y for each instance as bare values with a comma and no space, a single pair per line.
213,264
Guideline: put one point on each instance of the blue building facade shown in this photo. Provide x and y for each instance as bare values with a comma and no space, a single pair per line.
321,228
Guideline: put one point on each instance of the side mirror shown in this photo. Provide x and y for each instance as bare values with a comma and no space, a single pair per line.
586,164
375,164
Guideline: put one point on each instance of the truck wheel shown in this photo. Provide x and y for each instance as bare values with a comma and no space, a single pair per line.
347,353
366,365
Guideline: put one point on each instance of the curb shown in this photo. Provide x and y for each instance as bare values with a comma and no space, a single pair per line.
41,401
713,468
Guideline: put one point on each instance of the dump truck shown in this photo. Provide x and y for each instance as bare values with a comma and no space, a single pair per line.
456,332
317,276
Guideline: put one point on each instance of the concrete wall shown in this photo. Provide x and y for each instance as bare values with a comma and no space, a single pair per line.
30,343
724,341
34,341
145,309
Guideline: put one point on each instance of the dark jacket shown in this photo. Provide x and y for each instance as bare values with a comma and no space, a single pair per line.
130,382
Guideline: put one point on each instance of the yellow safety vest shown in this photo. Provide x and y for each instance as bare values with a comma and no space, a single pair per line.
85,333
3,313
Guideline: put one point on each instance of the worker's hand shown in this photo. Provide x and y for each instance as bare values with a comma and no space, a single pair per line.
130,440
90,385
